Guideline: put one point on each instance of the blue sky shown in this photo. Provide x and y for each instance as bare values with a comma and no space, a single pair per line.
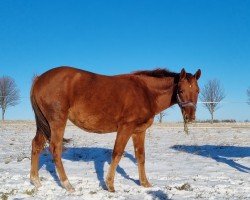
113,37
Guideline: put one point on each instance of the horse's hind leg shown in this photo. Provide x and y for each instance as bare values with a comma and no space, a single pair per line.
56,144
37,146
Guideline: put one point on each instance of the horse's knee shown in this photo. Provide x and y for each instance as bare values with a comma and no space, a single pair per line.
117,155
141,159
140,151
140,154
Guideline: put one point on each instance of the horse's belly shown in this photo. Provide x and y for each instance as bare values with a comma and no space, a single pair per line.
94,123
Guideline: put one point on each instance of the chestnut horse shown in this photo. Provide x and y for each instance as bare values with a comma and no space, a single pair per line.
125,104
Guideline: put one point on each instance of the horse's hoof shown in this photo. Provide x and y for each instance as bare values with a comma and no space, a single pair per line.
146,184
110,187
71,190
66,184
36,182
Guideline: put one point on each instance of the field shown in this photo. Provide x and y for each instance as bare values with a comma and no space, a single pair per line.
213,162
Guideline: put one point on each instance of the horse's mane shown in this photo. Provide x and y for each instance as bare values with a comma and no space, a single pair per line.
159,73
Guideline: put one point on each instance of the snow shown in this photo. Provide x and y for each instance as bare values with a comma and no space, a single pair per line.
213,162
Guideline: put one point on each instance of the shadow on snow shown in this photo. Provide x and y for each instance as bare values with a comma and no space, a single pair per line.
223,154
158,195
86,154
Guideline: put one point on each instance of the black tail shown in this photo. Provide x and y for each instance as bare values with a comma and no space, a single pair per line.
41,122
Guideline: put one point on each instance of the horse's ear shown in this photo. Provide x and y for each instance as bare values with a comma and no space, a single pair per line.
183,74
197,74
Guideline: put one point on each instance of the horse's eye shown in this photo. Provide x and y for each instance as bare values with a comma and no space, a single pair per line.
181,91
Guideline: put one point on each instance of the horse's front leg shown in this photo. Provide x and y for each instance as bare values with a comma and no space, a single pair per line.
139,147
123,135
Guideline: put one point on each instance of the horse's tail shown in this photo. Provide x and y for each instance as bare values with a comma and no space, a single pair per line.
42,124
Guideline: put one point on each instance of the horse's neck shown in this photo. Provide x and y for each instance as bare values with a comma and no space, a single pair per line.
165,99
163,90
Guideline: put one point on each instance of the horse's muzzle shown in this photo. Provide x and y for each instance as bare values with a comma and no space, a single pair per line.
189,119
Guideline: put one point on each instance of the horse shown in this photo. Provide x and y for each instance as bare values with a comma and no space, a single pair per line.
125,103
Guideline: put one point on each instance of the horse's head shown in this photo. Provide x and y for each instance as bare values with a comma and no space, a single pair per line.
187,94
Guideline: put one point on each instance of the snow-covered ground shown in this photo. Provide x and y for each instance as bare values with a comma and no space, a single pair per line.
213,162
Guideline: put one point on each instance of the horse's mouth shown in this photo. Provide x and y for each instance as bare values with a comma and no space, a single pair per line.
188,120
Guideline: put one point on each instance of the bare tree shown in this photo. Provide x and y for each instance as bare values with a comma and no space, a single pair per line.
212,93
160,116
248,95
9,94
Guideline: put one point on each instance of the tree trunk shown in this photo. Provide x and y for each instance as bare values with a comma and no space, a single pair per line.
212,118
160,119
3,112
161,115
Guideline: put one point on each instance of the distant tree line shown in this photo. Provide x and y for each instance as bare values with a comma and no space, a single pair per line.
217,121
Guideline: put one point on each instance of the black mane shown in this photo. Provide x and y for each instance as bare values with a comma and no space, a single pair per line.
159,73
